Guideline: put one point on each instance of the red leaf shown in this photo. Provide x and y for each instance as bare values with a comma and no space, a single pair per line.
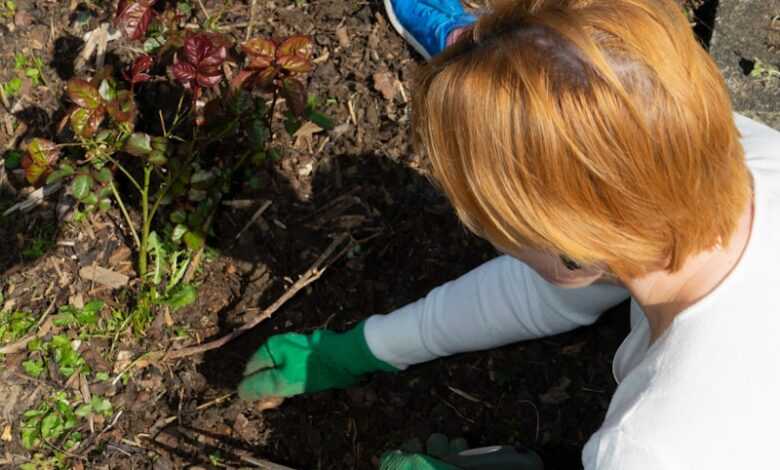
138,70
295,63
133,17
83,93
184,72
301,46
123,108
260,52
201,64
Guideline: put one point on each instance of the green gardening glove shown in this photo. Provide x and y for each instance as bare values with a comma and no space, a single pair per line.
413,458
292,363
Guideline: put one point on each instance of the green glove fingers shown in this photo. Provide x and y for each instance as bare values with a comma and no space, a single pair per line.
291,364
399,460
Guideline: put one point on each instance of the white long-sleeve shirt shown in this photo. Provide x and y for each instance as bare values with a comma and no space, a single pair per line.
705,395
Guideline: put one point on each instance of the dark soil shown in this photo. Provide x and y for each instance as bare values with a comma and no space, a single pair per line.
360,178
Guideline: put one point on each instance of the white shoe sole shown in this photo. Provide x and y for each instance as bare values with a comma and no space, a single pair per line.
403,32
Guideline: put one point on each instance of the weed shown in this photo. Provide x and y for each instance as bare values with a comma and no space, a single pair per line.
763,71
7,8
31,67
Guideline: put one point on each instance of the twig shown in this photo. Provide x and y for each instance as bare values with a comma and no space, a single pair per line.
256,216
311,275
205,12
43,326
251,24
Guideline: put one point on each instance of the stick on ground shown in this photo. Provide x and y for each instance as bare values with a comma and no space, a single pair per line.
311,275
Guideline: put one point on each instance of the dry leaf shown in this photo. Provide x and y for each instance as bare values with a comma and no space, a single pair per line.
386,84
103,276
304,135
7,434
343,36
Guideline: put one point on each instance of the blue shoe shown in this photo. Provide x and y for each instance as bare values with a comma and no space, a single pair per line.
425,24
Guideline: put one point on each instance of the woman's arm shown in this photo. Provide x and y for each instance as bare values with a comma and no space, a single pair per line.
502,301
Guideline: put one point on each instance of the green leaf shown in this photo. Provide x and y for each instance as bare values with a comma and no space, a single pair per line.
30,440
84,410
139,144
104,175
34,368
257,134
101,406
107,90
104,205
320,119
157,158
185,295
178,232
102,376
292,123
13,87
90,200
178,217
85,122
194,241
81,187
13,159
51,426
63,171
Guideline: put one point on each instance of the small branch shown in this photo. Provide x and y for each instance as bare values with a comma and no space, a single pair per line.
311,275
256,216
43,326
205,12
251,25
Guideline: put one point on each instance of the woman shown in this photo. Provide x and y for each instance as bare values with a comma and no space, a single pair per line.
593,142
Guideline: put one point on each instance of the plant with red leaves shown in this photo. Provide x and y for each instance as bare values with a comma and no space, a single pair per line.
277,68
134,16
200,64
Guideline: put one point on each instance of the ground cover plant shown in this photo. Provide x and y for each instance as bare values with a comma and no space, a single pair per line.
260,153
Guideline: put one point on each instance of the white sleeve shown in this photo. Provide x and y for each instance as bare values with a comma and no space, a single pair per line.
500,302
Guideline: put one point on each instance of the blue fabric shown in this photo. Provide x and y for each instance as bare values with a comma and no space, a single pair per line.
431,21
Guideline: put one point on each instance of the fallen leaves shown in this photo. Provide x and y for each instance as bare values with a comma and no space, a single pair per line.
104,277
387,84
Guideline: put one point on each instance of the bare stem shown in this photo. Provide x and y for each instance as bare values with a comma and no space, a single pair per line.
121,204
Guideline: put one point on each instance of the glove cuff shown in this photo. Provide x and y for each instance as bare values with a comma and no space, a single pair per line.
350,350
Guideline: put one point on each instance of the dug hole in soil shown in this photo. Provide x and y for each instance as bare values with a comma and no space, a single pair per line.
360,178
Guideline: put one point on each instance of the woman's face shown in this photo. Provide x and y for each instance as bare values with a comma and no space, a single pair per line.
553,270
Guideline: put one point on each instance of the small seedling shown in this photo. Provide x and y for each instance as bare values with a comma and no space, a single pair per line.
31,67
7,8
762,70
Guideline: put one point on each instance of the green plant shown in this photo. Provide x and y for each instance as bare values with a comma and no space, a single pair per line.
14,325
7,8
54,422
180,169
12,87
31,67
762,70
43,238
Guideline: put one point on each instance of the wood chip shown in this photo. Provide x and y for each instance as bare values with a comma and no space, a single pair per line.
103,276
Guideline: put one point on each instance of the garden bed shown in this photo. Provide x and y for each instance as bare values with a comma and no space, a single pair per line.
357,181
